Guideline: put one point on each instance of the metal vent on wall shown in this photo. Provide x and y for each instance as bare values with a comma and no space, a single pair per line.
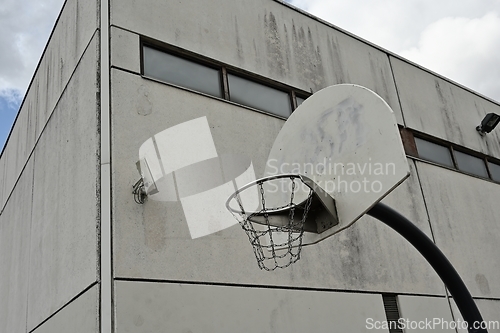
392,312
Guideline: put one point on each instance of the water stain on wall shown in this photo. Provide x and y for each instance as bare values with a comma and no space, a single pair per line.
274,46
239,46
451,126
482,283
336,59
307,56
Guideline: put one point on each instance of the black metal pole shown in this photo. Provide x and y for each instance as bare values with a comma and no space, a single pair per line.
438,261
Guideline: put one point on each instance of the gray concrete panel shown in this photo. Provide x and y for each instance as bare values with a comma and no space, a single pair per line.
490,311
74,30
271,40
364,65
425,314
79,316
154,307
439,108
16,155
464,220
125,50
65,207
3,172
153,241
15,223
5,186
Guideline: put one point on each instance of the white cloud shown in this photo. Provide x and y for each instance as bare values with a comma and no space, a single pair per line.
12,97
25,27
463,49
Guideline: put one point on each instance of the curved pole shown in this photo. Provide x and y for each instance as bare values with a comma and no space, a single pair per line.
436,258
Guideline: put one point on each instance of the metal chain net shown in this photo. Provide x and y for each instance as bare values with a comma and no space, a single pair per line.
276,246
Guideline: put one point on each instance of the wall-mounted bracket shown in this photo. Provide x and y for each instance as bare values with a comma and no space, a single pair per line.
139,192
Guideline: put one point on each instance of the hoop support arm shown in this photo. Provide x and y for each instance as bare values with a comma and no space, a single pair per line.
436,259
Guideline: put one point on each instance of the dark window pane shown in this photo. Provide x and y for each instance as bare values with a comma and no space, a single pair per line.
259,96
471,164
495,171
166,67
433,152
300,101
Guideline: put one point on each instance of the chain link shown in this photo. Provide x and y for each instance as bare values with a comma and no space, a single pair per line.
277,255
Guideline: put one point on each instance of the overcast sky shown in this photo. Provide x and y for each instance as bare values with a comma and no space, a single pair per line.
25,27
459,39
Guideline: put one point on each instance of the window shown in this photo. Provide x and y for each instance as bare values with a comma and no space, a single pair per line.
179,71
494,171
300,100
434,152
259,96
471,164
457,158
210,77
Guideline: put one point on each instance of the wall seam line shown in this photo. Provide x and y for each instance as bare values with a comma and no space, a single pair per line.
396,87
29,238
105,251
65,305
48,119
243,285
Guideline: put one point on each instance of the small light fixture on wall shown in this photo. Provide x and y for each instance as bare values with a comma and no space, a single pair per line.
488,123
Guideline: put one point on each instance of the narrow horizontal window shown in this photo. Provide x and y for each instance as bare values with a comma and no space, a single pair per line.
433,152
471,164
171,69
494,171
259,96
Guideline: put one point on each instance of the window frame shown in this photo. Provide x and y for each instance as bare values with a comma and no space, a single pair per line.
495,161
411,151
301,96
223,70
439,143
472,154
180,55
265,84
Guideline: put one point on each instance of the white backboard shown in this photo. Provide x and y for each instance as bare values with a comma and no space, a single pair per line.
344,137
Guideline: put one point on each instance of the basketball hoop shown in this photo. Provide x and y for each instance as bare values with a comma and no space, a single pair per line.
274,232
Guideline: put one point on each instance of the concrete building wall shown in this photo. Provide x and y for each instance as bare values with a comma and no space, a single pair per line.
442,109
465,225
421,310
76,26
64,226
148,246
49,186
15,224
152,244
490,308
151,307
269,40
79,316
51,197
